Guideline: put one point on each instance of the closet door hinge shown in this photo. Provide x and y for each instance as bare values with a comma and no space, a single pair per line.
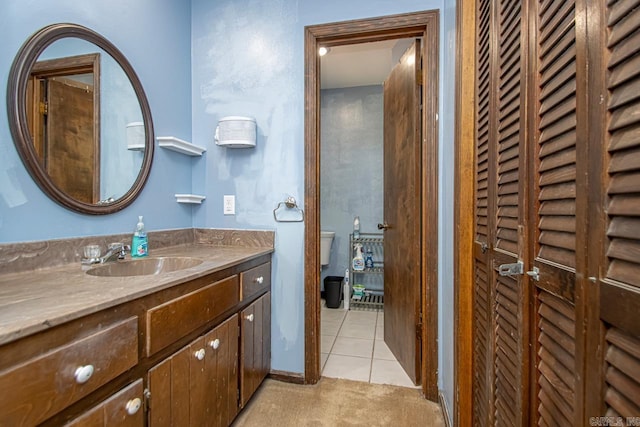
147,400
419,328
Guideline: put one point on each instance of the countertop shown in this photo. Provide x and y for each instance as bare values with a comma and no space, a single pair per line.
37,300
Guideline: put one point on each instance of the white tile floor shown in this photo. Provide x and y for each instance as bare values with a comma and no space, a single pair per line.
352,347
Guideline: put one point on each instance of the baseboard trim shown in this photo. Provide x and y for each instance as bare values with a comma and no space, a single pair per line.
445,409
287,377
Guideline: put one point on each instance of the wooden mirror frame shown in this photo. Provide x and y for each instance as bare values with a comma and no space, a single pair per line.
18,124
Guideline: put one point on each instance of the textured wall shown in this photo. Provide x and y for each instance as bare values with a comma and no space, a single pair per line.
154,35
248,59
219,58
351,174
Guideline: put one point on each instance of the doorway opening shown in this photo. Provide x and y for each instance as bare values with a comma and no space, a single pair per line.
423,331
63,110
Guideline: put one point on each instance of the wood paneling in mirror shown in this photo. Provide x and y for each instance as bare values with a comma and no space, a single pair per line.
19,89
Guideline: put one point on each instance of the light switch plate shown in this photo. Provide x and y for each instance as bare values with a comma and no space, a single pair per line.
229,202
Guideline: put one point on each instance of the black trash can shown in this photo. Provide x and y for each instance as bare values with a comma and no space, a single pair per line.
333,290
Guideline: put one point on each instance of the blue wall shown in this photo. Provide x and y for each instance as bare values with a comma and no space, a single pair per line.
154,35
351,170
248,59
219,58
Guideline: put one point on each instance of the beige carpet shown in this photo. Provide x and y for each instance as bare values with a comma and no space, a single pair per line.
336,402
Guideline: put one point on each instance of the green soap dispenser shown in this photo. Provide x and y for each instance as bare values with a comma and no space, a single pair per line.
139,244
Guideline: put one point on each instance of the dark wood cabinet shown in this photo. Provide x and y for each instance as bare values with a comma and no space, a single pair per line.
170,358
43,385
198,385
209,380
256,346
168,322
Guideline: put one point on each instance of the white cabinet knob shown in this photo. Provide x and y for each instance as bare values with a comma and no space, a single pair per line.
199,354
215,344
249,317
133,406
259,280
83,373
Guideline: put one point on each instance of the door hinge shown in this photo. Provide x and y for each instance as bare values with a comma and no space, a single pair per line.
419,328
44,108
238,396
147,399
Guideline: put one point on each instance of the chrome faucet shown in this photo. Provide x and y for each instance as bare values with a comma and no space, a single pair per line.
116,251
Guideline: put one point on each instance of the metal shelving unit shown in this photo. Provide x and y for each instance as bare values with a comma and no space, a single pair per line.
373,299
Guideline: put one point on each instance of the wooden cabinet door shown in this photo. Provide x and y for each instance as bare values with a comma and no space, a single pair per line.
221,366
255,351
170,388
198,385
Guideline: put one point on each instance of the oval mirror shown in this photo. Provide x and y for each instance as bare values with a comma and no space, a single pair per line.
80,119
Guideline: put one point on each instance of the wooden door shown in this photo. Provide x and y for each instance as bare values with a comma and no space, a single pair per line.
71,155
402,154
255,351
558,212
578,232
619,277
501,293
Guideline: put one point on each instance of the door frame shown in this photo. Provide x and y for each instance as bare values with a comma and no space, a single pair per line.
419,24
464,188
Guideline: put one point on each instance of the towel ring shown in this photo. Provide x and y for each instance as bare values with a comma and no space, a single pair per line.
290,203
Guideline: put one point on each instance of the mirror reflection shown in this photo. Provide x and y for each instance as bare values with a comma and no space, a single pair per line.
80,119
85,121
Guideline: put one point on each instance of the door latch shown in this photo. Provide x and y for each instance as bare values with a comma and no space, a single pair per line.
534,274
514,269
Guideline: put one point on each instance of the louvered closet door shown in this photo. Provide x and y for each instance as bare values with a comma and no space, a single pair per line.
555,213
557,186
620,286
500,302
483,276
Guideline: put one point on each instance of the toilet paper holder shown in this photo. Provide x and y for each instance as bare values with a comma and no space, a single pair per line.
289,203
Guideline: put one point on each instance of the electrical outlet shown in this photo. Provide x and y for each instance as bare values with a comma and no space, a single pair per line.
229,202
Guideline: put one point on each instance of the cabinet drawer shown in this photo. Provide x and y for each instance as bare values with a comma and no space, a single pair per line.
171,321
256,280
123,409
43,386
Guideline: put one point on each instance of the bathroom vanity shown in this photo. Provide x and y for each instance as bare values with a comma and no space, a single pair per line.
185,347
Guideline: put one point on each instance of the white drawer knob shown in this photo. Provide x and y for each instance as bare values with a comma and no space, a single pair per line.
133,406
83,373
200,354
259,280
215,344
249,317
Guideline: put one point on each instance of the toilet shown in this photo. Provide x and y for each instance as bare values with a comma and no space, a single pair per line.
326,238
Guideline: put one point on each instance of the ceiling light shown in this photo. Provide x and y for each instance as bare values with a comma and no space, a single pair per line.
323,50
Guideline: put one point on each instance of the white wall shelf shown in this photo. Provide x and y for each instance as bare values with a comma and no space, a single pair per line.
189,198
175,144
